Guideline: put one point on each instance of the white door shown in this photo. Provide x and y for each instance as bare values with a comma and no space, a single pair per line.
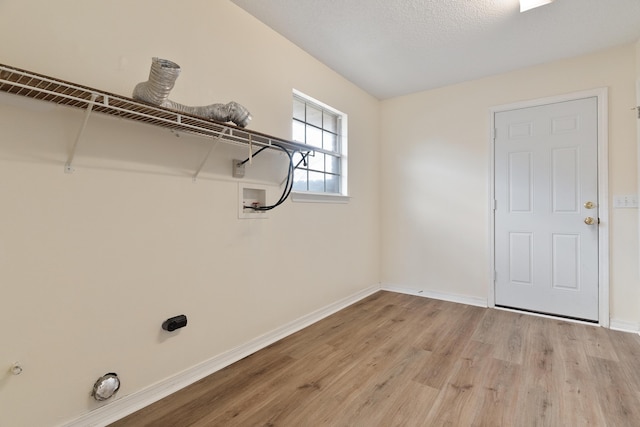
546,189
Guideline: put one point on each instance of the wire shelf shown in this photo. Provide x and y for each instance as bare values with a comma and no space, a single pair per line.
44,88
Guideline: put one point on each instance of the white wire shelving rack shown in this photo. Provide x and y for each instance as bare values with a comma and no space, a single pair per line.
49,89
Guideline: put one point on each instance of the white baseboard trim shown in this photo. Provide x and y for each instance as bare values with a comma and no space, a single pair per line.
624,326
462,299
133,402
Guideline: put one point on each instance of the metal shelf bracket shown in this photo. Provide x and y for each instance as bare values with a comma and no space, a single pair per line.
216,141
68,167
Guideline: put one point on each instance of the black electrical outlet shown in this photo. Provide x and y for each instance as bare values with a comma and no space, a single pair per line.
175,323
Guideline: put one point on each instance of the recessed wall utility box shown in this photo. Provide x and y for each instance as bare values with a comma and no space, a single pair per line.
251,195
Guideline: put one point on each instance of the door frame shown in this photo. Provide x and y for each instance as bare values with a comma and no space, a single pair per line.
637,108
603,190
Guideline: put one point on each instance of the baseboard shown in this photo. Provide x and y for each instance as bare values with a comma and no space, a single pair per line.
624,326
129,404
462,299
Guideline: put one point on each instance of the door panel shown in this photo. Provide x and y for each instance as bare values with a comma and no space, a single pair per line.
566,258
521,182
565,180
545,171
521,257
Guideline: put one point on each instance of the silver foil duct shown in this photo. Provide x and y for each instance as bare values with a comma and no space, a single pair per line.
156,90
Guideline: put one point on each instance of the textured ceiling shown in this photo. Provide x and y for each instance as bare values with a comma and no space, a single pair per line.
395,47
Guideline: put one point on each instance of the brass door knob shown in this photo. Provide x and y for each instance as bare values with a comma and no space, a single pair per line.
589,221
589,205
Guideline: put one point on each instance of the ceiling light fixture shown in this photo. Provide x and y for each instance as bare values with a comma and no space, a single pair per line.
531,4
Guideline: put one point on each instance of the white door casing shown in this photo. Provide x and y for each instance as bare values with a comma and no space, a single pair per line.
638,145
546,156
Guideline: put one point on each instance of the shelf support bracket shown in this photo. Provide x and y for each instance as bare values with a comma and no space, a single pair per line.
216,140
68,168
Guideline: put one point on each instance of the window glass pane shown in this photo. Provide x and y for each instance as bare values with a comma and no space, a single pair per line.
329,141
316,182
318,128
298,109
314,116
300,180
332,164
333,184
316,162
314,136
330,122
297,131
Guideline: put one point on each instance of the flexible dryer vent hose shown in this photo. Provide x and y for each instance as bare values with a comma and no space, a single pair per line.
156,90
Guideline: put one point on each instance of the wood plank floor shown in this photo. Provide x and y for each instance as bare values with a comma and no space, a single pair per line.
399,360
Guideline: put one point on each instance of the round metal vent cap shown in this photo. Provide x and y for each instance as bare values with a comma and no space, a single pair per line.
106,386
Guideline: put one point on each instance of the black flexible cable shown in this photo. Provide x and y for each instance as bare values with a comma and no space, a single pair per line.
288,186
302,160
254,154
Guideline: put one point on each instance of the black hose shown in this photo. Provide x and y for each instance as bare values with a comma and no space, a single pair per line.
288,186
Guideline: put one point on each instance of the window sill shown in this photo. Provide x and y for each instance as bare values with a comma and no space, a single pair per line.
318,197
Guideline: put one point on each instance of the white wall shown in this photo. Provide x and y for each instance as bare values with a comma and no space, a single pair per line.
91,263
435,176
638,59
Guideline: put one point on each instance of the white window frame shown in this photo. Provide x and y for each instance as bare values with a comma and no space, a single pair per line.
324,197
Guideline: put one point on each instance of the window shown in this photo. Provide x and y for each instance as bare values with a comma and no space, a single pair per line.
323,128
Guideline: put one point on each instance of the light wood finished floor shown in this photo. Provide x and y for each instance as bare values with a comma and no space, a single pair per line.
399,360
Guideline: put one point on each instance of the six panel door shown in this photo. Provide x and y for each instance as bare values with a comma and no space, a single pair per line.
546,218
